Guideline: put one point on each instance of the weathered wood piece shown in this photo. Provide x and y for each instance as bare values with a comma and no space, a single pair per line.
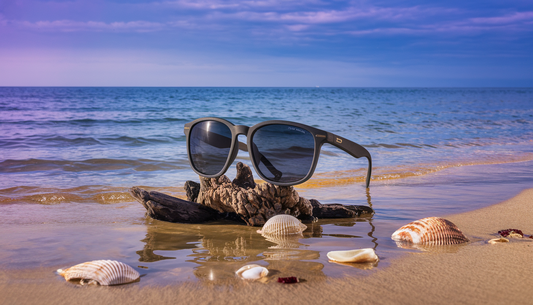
254,203
336,210
164,207
242,200
192,189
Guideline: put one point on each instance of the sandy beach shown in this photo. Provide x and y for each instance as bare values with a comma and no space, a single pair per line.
475,273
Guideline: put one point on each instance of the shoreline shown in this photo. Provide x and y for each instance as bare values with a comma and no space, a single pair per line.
474,273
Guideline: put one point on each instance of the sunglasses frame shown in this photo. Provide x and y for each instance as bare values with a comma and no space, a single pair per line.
320,137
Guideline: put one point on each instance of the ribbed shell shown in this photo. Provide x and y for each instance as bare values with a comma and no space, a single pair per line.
430,230
105,272
252,272
283,225
367,255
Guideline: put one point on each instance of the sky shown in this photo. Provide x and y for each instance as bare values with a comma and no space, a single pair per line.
266,43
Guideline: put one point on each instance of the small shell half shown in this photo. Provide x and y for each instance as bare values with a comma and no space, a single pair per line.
430,230
366,255
104,272
252,272
283,224
498,240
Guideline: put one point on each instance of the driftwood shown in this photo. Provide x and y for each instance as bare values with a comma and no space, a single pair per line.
242,198
254,203
164,207
336,210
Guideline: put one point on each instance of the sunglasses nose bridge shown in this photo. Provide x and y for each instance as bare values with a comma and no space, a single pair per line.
241,129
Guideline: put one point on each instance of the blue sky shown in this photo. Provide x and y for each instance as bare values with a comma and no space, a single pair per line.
266,43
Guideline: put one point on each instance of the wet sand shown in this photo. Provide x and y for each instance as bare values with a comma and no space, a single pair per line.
476,273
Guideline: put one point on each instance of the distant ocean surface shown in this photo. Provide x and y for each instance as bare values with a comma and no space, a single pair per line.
88,142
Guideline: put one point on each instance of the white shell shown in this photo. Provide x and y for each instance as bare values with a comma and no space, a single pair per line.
105,272
498,240
367,255
430,230
252,272
283,224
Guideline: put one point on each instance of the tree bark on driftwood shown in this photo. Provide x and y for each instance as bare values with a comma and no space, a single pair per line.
215,198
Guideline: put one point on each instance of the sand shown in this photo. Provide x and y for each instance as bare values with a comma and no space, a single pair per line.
476,273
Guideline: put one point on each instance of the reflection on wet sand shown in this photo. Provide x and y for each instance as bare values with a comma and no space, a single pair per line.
362,266
216,250
285,241
429,247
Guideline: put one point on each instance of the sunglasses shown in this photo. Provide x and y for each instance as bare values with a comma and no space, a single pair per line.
282,152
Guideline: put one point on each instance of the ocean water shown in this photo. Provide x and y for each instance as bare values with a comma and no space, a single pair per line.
69,155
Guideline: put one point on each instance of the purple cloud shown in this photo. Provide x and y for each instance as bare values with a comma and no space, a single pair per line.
511,18
74,26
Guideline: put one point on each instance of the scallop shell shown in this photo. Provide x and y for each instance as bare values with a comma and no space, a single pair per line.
367,255
104,272
283,225
252,272
430,230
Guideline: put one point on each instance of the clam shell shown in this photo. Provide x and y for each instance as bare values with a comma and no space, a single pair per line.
283,225
498,240
430,230
366,255
105,272
252,272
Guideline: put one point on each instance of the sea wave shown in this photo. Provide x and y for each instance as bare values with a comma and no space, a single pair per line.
86,121
111,194
387,173
103,164
82,194
61,141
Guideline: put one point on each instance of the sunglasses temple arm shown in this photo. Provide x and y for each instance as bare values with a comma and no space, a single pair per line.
353,149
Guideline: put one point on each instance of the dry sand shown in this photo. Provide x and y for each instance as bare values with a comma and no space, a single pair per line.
476,273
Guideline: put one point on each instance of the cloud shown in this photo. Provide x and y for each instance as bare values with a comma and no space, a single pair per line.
286,19
511,18
73,26
297,27
516,22
242,5
331,16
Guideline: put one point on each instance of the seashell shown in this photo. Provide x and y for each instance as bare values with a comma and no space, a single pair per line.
367,255
252,272
430,230
498,240
103,272
283,224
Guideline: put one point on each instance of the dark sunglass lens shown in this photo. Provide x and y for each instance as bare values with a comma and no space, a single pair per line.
283,153
209,146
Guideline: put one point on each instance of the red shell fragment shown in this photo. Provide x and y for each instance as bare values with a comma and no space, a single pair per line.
288,280
506,233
